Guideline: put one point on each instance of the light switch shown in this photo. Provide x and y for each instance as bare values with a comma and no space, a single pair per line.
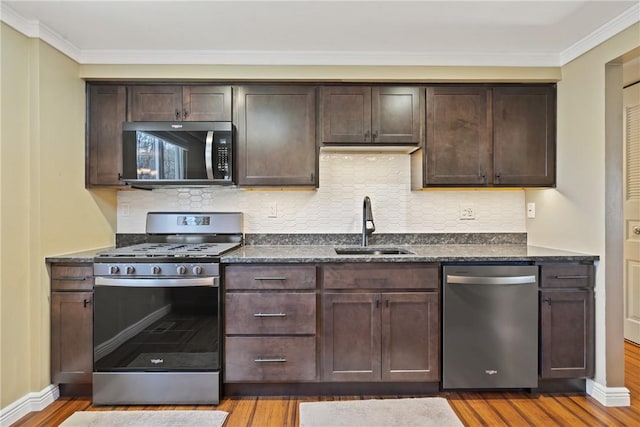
273,210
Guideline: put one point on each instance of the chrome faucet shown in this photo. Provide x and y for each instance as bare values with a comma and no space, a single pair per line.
368,226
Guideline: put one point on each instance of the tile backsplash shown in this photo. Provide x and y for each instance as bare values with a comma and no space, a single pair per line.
336,206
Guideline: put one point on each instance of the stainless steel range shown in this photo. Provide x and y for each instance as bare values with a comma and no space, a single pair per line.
157,312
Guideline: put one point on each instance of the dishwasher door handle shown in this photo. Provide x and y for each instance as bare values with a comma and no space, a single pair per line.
490,280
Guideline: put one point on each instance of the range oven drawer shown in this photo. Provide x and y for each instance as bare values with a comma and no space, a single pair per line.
255,313
278,359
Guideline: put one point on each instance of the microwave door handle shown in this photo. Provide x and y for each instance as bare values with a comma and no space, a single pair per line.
208,155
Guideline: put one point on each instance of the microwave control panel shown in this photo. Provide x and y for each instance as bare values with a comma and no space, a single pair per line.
222,158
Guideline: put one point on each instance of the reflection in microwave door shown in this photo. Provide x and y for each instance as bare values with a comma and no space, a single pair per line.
145,173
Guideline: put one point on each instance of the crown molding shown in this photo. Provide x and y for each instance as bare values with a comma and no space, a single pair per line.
605,32
35,29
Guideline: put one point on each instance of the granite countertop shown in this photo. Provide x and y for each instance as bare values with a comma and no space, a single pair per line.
441,248
83,256
422,253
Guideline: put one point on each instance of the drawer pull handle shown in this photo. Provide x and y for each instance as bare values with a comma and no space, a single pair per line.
72,278
270,360
572,277
269,314
270,278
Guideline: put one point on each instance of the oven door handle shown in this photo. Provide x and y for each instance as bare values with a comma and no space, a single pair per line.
212,282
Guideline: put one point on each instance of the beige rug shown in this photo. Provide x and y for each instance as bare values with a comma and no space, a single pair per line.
419,412
146,419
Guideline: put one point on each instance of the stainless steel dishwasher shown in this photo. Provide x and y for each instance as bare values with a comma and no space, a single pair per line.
490,327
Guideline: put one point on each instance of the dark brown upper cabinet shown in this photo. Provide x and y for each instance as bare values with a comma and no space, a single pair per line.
276,135
179,103
370,115
488,135
458,143
524,136
107,110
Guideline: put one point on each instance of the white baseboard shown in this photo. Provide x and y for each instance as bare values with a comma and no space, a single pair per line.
35,401
609,396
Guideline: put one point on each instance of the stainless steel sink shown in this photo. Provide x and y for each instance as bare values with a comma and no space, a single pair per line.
373,251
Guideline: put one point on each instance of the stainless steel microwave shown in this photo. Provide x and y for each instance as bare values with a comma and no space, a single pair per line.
177,153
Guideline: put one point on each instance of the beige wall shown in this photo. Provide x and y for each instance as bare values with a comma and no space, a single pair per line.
15,273
322,73
45,209
572,216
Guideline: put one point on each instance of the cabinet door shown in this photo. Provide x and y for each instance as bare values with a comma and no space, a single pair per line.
524,135
107,106
155,103
395,114
567,334
206,103
410,337
458,143
71,337
276,135
345,114
351,337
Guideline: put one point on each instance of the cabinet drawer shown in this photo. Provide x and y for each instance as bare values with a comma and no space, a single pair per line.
381,276
270,359
276,313
270,277
71,277
567,276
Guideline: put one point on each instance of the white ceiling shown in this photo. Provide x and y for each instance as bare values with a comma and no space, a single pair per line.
356,32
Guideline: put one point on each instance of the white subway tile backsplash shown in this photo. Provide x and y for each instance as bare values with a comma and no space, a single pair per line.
336,207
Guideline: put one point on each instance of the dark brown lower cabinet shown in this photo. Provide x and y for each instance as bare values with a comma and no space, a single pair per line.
381,336
71,337
567,334
263,358
71,323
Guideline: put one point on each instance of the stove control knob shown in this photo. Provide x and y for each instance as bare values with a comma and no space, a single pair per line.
156,269
114,269
181,269
131,269
197,270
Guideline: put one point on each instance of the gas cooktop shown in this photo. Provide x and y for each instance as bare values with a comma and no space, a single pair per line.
169,250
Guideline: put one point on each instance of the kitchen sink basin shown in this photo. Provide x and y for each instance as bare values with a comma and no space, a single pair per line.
373,251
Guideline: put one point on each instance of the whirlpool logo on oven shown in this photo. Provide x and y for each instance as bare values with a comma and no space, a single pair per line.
491,372
156,361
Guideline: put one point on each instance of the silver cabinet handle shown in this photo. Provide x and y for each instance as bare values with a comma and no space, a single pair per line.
489,280
572,277
270,360
269,315
636,230
270,278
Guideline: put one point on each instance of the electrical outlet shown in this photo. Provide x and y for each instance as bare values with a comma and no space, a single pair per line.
124,209
273,210
531,210
467,211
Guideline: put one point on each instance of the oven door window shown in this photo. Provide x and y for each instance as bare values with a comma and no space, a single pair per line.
156,329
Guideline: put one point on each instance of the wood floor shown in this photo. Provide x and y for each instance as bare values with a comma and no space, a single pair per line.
474,409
